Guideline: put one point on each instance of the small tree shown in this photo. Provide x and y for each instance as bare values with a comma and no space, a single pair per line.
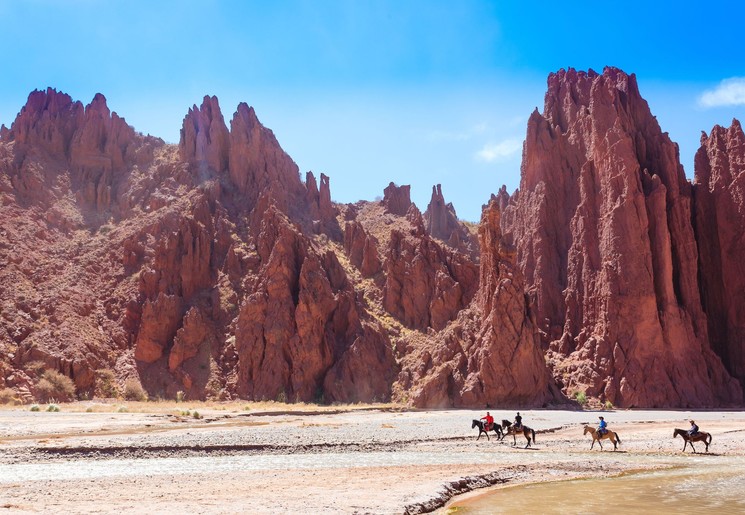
106,386
133,390
54,386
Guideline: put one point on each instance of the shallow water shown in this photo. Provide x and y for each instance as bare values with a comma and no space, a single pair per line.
700,486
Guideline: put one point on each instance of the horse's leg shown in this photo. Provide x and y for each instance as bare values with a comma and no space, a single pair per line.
528,437
692,447
600,442
685,444
613,439
593,443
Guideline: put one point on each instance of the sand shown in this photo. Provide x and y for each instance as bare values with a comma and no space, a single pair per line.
335,460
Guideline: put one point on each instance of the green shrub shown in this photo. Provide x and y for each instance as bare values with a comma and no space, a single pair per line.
54,386
608,405
8,396
106,385
133,390
581,398
34,407
53,408
122,409
196,415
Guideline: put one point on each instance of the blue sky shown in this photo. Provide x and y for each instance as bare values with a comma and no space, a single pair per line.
368,92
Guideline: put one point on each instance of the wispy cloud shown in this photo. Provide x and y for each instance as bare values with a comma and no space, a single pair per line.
492,152
729,92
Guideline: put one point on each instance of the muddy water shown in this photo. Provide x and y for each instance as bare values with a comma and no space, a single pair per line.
701,485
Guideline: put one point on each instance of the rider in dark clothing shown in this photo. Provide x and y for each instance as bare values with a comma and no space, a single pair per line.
518,421
693,431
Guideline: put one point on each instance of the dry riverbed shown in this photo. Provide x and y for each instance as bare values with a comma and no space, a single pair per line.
92,458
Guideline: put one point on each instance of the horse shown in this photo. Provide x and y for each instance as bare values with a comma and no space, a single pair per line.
525,430
480,425
612,435
698,437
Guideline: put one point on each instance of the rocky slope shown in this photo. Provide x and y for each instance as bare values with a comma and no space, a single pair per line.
210,268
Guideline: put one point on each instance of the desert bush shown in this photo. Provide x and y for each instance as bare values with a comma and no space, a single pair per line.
106,386
7,396
608,405
196,415
133,390
34,407
54,386
53,408
122,409
581,398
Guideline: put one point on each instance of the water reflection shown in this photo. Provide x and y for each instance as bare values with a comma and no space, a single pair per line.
699,488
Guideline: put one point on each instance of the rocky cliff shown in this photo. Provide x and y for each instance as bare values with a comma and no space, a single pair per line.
719,193
602,224
210,268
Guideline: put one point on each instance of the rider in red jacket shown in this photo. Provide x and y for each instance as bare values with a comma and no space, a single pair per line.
489,421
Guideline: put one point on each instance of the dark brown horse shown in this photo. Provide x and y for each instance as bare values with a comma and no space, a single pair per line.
611,435
482,429
688,439
509,429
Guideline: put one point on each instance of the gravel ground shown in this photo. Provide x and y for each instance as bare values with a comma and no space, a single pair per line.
343,461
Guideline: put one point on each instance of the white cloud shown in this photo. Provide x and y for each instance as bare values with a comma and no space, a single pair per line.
730,92
492,152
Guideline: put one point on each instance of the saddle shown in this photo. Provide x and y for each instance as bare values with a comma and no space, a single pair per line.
488,427
602,432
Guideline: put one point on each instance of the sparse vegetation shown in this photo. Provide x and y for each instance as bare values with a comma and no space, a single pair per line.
608,405
282,397
53,408
106,385
196,415
122,409
179,396
34,407
580,397
8,396
55,387
133,390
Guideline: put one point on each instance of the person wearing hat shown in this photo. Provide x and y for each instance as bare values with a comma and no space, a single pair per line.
602,427
693,430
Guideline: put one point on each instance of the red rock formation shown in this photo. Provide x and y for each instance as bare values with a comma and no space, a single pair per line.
491,355
257,163
720,229
204,136
397,199
361,248
425,285
442,223
603,232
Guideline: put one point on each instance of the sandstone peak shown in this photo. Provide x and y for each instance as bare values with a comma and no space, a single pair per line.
397,199
204,135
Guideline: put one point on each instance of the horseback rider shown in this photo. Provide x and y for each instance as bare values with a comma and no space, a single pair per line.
489,421
518,422
602,427
693,431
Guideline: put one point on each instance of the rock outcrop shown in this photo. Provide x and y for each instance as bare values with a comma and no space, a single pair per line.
719,193
491,355
397,199
602,224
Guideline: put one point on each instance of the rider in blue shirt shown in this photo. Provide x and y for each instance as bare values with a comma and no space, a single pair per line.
693,430
602,427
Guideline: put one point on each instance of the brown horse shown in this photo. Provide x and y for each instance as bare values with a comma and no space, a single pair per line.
698,437
509,429
612,435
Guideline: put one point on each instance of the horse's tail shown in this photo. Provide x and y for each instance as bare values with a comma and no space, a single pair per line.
618,438
709,442
532,432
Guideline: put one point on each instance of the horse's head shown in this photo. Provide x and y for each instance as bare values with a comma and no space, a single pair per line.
474,423
506,423
588,429
677,432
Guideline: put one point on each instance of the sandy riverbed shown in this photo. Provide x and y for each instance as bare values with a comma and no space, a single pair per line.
313,461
